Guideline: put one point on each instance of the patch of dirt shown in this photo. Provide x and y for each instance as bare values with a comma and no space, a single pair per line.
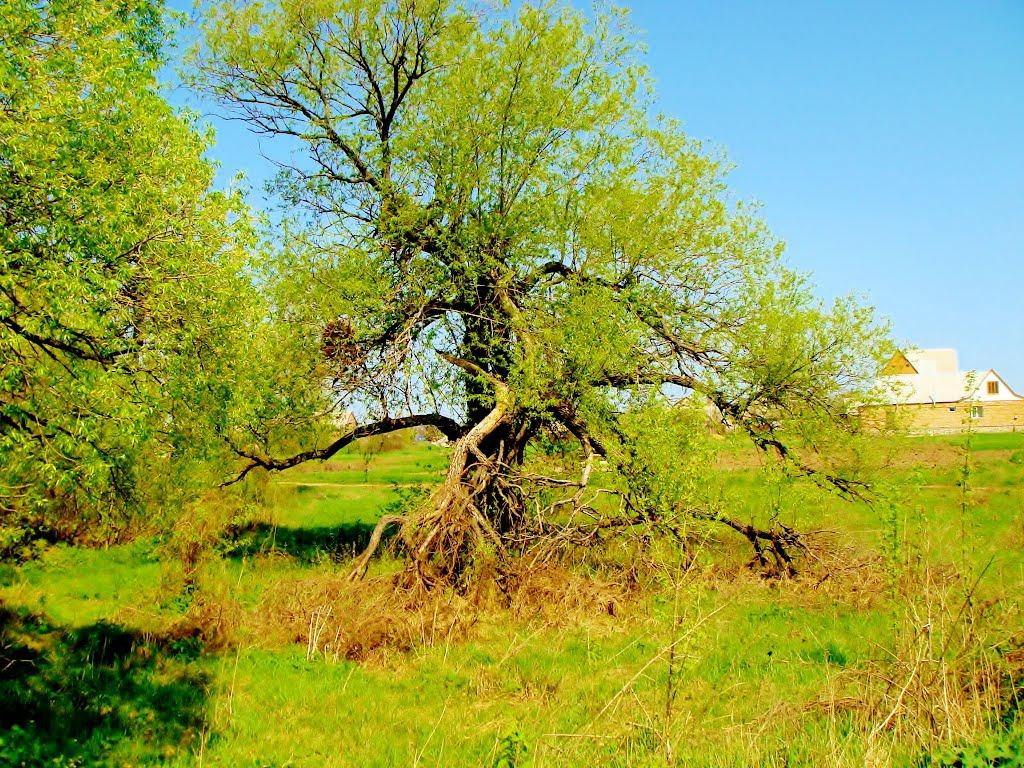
735,460
915,453
910,453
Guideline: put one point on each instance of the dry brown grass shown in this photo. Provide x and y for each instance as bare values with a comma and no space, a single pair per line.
558,594
335,618
828,566
953,666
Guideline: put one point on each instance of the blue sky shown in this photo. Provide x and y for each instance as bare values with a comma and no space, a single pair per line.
884,140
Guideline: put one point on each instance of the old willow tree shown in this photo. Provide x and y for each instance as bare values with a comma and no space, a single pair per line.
123,298
490,234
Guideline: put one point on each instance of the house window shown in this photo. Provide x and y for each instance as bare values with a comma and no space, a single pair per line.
993,387
977,411
952,409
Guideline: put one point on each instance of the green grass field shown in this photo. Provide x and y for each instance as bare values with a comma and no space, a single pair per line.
274,660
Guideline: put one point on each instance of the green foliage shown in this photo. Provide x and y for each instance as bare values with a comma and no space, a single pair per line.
665,458
512,750
999,749
132,339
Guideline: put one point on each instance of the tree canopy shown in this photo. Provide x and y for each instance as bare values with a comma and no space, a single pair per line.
492,234
123,293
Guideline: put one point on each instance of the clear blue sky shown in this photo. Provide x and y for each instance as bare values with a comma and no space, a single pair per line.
885,141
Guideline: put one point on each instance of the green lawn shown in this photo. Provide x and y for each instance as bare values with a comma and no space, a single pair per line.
415,463
763,672
991,441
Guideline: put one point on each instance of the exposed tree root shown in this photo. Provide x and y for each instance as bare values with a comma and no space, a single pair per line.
363,563
459,519
481,509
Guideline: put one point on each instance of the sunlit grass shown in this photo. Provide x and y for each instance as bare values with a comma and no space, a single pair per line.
758,663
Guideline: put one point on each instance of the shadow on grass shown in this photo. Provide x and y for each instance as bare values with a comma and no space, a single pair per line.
95,695
307,545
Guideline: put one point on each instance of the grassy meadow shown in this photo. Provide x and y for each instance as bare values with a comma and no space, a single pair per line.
899,642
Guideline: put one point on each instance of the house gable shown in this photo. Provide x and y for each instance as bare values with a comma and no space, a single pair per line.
988,387
899,365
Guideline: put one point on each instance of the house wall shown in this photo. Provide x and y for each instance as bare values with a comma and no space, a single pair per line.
1006,415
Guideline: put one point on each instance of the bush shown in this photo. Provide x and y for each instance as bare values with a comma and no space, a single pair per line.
1000,749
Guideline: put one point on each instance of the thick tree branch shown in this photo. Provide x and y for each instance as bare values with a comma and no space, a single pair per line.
451,429
571,421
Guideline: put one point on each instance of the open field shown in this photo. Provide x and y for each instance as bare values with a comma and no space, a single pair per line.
884,649
455,408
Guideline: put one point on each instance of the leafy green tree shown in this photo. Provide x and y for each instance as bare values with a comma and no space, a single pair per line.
493,235
123,298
